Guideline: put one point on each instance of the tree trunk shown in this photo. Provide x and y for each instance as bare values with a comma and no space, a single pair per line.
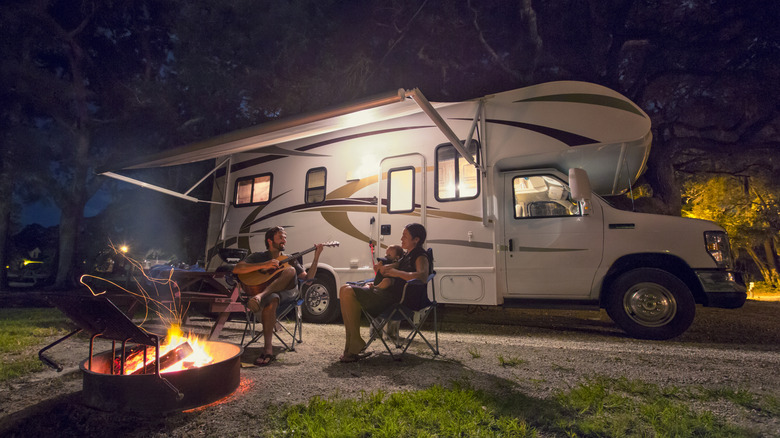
6,189
769,251
72,212
765,272
661,176
75,197
5,222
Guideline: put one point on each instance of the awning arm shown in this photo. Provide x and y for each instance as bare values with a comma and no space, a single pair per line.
156,188
436,118
207,175
473,128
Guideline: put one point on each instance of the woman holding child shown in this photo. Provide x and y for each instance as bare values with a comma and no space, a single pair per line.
413,265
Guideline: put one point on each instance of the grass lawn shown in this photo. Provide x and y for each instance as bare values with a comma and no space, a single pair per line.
22,331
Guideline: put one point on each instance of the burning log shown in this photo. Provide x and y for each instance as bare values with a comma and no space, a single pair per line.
166,360
132,354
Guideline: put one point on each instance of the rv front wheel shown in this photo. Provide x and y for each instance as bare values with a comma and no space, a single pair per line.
651,303
320,303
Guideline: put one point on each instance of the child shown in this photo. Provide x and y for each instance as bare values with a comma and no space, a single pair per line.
392,255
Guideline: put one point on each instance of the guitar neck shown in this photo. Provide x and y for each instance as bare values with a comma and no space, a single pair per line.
296,255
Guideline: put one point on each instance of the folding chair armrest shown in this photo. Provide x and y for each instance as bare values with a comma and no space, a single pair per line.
415,281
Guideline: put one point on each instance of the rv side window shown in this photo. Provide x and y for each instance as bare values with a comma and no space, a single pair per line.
542,196
253,190
315,185
400,190
455,178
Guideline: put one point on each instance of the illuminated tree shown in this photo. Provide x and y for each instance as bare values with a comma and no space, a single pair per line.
749,210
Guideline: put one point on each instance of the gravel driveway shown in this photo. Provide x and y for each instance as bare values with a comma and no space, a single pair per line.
554,350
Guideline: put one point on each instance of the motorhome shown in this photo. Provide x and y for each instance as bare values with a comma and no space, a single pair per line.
507,185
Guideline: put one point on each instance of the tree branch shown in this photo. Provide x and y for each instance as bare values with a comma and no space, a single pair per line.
496,58
402,32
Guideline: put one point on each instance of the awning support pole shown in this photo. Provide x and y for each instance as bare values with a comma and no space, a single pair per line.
436,118
155,188
473,128
206,176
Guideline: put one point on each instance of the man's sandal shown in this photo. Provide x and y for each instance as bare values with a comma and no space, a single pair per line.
265,359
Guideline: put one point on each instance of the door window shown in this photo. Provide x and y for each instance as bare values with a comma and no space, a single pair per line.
542,196
400,190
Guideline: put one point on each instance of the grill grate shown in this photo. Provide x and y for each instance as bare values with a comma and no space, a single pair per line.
99,316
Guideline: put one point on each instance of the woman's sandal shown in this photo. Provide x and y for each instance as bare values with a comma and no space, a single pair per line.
353,357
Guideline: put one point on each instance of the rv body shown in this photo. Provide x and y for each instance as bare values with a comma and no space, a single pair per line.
505,230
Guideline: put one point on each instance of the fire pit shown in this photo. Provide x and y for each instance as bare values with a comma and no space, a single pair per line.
167,392
146,376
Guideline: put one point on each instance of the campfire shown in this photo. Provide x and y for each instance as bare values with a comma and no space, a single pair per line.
146,373
177,352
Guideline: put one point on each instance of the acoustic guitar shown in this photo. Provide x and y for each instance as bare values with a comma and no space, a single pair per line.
256,281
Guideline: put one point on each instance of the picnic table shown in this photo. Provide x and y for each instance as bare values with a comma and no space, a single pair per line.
209,288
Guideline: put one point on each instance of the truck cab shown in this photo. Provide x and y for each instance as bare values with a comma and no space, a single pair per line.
566,245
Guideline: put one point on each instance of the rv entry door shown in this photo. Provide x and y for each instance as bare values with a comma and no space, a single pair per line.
401,196
552,251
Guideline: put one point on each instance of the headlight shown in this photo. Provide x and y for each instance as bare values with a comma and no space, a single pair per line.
717,243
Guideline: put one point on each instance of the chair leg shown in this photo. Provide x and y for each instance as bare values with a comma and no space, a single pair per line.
416,331
377,333
436,328
296,335
251,325
248,326
291,346
299,320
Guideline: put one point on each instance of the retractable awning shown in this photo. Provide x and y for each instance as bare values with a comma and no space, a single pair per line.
267,137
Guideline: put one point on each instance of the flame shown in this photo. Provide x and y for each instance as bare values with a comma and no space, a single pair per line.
199,357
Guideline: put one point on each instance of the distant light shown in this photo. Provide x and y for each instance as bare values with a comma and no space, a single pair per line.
124,248
26,262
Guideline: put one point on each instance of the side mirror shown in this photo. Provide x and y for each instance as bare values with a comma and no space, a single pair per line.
579,183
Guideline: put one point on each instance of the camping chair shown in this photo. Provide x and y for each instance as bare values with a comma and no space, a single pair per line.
290,309
402,312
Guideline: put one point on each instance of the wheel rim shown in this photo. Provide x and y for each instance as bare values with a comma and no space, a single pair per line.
650,304
317,299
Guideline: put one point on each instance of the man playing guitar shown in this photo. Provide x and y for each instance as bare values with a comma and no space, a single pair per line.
281,283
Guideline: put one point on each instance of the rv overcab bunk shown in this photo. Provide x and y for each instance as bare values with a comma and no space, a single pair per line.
507,186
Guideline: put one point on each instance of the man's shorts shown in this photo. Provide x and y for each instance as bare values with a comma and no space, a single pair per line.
284,296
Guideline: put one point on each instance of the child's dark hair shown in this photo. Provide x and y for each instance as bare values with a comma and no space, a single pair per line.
399,252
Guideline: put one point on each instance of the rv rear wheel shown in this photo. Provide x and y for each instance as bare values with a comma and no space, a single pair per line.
650,303
320,301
